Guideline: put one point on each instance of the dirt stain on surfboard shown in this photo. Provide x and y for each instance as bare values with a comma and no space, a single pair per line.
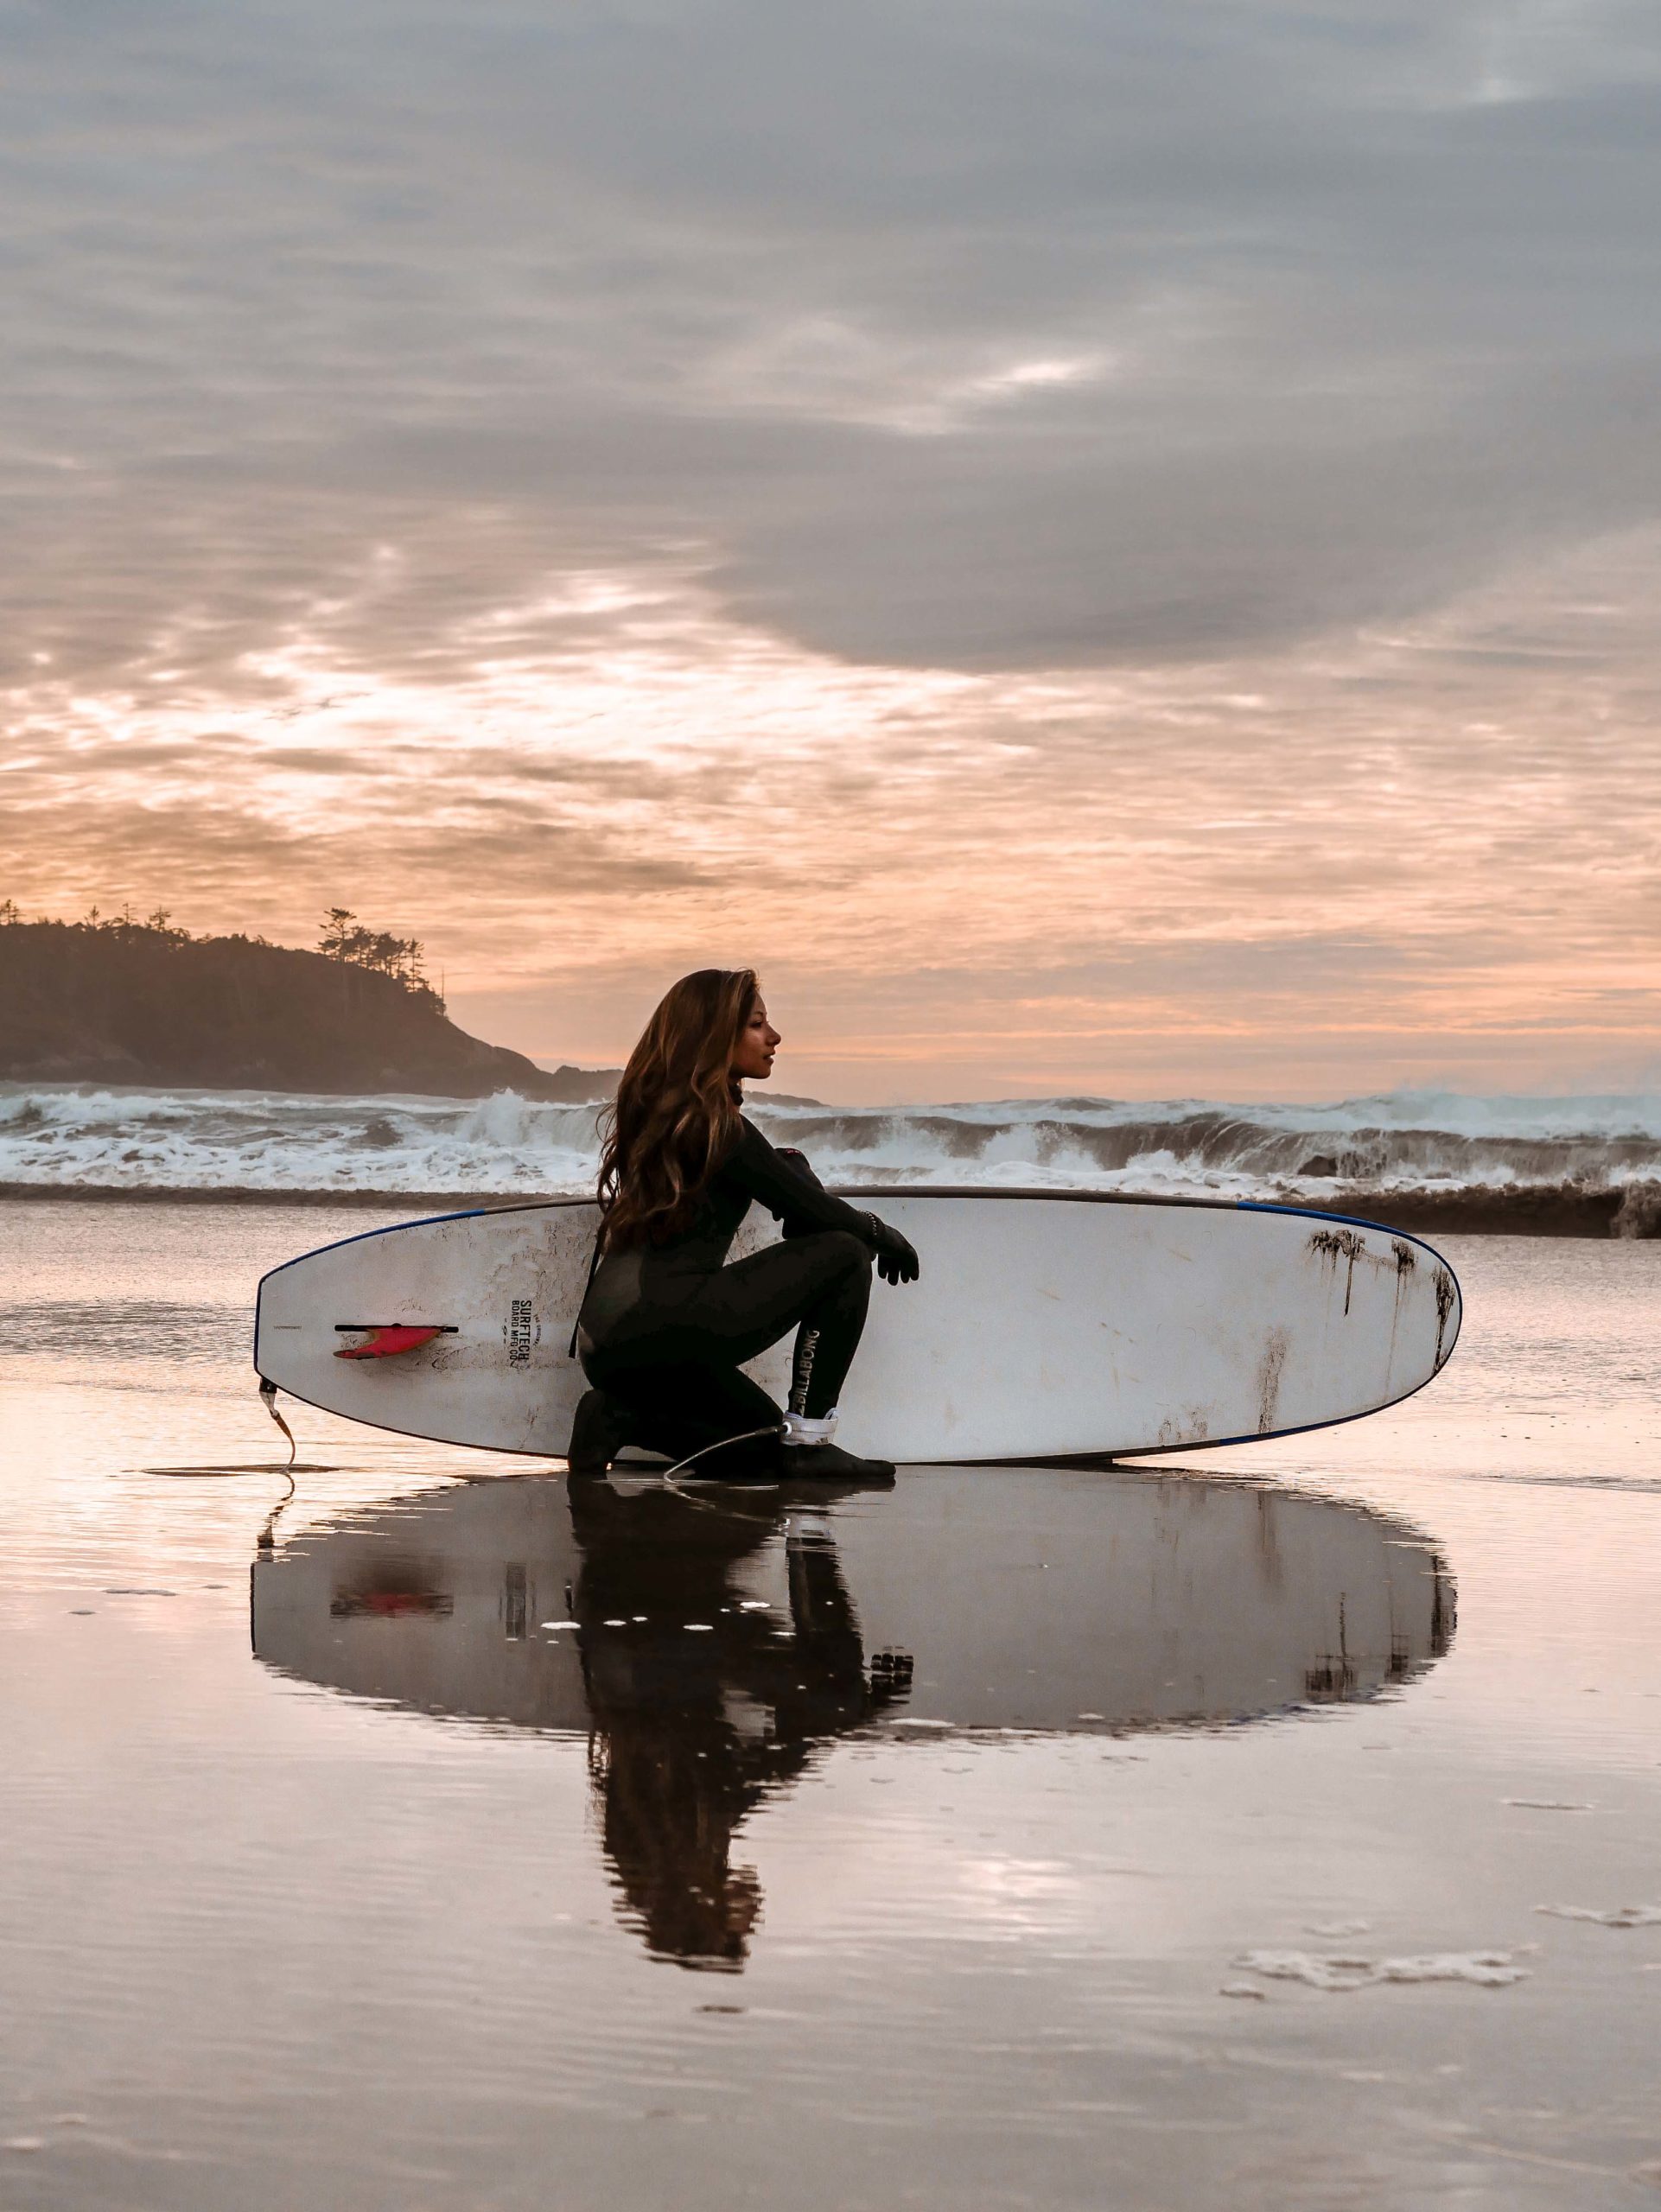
1336,1244
1406,1262
1276,1346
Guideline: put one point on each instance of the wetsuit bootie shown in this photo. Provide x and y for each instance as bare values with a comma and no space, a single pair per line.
820,1463
598,1435
806,1454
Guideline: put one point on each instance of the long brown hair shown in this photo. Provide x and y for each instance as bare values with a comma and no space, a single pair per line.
676,1116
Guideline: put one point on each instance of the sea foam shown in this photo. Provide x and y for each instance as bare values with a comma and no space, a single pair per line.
1601,1155
1349,1970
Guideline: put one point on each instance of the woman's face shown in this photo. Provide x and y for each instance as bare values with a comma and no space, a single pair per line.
757,1043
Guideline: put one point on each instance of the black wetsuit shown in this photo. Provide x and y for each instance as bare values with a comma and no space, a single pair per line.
665,1328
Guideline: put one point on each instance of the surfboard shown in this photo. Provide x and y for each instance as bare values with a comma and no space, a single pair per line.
1047,1324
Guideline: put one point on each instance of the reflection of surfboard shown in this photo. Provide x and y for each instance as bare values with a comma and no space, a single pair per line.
1075,1604
1045,1324
707,1650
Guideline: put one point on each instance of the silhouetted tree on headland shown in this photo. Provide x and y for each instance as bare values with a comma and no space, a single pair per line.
125,998
345,938
157,923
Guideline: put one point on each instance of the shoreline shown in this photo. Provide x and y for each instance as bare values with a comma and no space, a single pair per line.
1632,1215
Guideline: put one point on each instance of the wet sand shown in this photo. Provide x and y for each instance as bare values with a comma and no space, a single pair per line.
1164,1837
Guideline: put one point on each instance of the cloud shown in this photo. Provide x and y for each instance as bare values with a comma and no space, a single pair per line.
1422,850
1161,500
979,337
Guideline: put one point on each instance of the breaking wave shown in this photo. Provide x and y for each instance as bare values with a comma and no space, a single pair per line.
1588,1165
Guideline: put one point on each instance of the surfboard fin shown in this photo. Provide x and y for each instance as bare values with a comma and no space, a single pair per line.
386,1340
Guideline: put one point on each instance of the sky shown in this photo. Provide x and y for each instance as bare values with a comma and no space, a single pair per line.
1105,548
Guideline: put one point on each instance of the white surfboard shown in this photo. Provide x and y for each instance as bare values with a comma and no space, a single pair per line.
1047,1324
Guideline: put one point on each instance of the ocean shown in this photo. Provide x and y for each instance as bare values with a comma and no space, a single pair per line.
1586,1165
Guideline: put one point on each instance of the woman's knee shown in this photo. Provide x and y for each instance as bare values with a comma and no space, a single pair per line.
845,1252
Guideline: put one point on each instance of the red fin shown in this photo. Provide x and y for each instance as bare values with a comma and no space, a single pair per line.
384,1343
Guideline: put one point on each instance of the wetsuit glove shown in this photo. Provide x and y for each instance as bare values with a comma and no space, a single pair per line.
896,1262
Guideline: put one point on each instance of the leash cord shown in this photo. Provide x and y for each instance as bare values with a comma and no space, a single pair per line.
268,1534
594,1269
268,1394
669,1482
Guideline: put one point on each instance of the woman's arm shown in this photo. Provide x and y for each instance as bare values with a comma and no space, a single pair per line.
790,1189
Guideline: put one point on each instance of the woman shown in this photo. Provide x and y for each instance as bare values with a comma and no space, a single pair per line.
667,1324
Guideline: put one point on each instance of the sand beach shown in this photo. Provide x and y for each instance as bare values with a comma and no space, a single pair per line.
1273,1828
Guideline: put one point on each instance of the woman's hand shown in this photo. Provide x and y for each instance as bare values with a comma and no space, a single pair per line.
896,1260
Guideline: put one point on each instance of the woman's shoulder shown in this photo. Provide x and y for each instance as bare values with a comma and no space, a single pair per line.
749,1151
745,1148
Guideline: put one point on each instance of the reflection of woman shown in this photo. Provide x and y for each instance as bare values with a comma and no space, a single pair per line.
667,1324
702,1706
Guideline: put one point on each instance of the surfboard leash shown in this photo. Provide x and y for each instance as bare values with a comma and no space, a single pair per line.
268,1398
720,1444
267,1540
594,1269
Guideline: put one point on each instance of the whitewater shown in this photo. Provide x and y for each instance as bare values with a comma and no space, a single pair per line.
1586,1163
